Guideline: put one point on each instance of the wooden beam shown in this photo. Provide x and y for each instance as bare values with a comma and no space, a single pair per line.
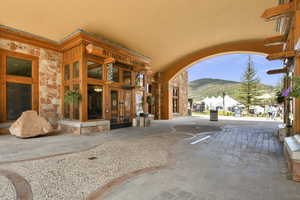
92,49
281,55
277,71
278,11
276,40
109,60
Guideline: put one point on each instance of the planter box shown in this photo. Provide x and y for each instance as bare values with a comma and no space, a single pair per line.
282,132
142,121
81,128
292,155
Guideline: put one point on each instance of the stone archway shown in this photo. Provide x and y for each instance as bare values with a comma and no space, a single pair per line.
252,46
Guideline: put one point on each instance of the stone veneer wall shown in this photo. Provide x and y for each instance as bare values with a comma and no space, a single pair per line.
49,76
181,81
83,130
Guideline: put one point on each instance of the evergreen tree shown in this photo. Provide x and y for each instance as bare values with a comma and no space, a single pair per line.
250,86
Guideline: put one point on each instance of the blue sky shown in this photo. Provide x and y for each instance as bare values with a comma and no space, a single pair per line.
232,66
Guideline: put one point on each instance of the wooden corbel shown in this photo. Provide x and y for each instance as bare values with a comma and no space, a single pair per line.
274,41
278,11
94,50
277,71
281,55
109,60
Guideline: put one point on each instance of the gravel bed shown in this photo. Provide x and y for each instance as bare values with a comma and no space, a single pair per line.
7,189
75,176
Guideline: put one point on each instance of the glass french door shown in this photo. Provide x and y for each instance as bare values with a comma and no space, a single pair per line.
121,106
127,97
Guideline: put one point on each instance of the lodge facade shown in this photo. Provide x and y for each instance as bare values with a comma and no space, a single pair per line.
112,84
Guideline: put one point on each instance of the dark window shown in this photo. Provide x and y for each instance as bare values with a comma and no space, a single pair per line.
76,69
67,72
150,88
95,98
19,99
66,105
18,67
94,70
114,100
76,105
114,107
127,77
175,100
115,71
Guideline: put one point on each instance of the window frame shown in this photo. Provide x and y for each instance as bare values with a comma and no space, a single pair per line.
5,78
71,83
90,79
175,97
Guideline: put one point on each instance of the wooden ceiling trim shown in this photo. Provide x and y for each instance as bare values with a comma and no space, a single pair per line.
122,54
28,38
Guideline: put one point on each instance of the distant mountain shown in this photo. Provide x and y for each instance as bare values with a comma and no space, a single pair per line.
207,87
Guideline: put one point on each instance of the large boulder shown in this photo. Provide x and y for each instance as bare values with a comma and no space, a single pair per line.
30,124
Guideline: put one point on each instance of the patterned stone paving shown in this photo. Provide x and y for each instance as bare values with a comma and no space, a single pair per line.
241,162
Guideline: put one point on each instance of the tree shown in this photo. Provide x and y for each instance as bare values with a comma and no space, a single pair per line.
250,86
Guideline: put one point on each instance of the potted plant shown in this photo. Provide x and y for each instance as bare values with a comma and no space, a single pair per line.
291,92
72,97
279,97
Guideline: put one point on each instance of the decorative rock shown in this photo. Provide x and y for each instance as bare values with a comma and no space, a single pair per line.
30,124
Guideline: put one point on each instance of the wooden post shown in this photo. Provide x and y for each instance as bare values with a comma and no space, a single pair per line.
83,85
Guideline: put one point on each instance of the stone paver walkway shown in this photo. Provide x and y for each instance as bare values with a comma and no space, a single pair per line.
241,160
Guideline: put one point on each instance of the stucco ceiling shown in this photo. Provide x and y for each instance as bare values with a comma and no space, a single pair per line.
165,30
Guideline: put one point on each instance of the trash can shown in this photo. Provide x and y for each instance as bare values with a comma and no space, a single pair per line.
213,115
143,120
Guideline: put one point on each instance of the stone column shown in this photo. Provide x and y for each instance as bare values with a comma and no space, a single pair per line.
166,101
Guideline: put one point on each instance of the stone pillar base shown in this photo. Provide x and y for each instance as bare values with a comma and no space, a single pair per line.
82,128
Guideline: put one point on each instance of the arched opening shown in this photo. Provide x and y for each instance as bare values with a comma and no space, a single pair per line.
250,46
213,56
170,75
237,86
